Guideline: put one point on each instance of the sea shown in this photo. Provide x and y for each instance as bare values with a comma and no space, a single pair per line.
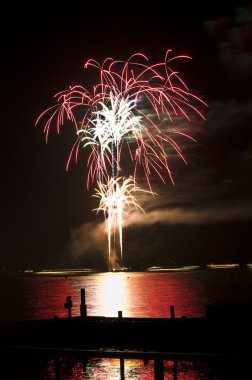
135,294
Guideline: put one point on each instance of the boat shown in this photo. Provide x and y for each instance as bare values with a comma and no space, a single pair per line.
65,272
173,268
120,269
222,266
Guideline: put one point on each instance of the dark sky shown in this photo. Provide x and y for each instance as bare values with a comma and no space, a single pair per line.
47,217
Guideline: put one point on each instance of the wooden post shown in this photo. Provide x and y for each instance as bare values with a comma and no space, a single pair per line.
57,369
120,314
83,307
175,369
172,310
68,305
158,369
122,375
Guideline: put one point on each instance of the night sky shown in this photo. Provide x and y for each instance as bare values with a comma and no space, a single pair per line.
47,218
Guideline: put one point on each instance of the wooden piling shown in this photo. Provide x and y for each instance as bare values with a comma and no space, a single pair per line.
158,369
120,314
175,369
122,374
172,311
68,305
57,369
83,307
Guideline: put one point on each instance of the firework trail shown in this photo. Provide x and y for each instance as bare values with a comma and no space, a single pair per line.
129,109
126,106
116,197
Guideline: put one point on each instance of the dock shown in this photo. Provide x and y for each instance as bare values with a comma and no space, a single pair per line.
209,334
220,335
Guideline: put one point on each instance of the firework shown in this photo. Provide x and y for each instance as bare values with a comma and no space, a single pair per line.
126,107
129,110
117,196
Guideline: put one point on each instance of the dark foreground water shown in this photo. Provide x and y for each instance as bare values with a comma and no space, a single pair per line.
136,295
109,369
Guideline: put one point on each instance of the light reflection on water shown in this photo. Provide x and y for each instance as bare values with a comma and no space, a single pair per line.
136,369
136,294
109,369
113,294
142,294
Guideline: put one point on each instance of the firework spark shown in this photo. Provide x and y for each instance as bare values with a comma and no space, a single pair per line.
127,105
117,196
